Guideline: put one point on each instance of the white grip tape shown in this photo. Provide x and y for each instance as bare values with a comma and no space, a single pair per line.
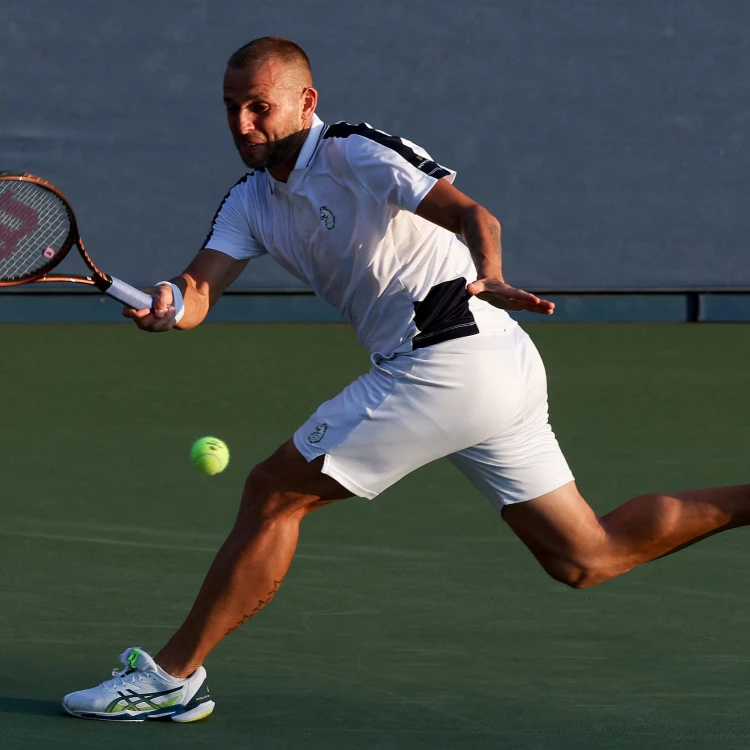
178,301
129,295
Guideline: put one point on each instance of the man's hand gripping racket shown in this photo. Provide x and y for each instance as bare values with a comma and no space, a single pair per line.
161,316
37,229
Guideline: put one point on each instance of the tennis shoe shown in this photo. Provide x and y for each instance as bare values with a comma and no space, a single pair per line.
143,690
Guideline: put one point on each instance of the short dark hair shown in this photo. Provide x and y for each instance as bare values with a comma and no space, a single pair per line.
266,47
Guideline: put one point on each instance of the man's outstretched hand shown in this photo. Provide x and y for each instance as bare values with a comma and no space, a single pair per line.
506,297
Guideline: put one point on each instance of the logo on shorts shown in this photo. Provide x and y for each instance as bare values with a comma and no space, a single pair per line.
317,435
327,217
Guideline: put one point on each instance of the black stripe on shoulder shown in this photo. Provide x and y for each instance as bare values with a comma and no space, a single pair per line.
221,205
345,129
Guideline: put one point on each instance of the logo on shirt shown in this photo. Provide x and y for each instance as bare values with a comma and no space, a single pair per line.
327,217
317,435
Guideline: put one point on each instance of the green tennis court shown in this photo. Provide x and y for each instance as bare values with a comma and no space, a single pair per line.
412,622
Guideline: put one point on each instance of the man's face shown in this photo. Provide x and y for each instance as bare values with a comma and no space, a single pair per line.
266,110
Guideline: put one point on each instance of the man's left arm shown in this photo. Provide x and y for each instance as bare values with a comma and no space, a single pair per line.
451,209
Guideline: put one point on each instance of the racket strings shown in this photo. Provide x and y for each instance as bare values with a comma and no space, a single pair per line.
34,225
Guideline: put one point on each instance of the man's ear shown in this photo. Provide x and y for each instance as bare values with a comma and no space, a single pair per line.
309,102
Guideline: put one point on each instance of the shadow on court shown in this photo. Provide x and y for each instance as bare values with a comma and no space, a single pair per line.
30,706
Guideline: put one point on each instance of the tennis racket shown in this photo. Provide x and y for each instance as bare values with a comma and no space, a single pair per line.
37,229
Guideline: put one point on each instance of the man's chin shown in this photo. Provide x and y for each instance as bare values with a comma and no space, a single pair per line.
255,159
257,165
261,164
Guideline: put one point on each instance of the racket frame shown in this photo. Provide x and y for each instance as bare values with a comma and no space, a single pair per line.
115,288
41,274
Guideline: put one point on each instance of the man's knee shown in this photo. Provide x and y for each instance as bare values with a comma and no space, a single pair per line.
262,482
580,571
566,536
286,483
571,574
267,497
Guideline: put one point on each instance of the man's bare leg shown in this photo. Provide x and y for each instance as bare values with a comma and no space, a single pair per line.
252,562
580,549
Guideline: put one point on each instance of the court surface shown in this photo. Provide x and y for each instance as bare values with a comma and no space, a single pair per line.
416,621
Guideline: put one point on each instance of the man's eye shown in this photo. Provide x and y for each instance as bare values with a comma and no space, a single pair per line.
261,108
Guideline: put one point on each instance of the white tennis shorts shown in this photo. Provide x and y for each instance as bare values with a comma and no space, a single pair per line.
480,401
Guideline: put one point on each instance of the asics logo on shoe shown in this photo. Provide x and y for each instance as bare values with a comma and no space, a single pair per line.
133,701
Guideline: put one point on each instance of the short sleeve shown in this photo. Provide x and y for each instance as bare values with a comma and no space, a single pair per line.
230,231
393,170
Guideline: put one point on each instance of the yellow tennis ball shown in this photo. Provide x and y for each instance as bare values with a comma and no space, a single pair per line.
209,455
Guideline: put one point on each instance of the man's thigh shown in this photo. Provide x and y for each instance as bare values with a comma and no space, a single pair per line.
287,471
566,537
559,523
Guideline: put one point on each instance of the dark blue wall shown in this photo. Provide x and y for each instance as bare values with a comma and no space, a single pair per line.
609,138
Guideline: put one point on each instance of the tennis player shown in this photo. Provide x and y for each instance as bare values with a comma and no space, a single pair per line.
370,222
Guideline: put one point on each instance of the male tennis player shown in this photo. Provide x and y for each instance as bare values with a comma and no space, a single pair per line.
370,222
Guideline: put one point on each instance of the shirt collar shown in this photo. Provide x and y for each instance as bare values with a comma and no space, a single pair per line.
311,143
317,128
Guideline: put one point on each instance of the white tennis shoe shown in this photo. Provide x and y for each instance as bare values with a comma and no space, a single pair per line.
143,690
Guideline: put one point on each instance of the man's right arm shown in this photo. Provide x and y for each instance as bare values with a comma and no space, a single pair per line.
205,279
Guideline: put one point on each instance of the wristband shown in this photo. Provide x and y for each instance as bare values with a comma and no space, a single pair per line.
178,302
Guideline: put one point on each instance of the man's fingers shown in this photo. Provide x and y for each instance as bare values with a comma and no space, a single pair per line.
152,321
507,297
160,325
129,312
504,290
163,300
542,306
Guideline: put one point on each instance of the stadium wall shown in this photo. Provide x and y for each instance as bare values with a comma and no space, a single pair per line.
609,138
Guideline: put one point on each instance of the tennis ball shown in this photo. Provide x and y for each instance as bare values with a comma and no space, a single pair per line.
209,455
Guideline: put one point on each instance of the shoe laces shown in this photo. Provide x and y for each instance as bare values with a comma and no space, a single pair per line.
123,677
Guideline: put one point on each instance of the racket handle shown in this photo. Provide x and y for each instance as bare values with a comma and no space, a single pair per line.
129,295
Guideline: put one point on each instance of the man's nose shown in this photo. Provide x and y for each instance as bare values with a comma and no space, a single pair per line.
246,122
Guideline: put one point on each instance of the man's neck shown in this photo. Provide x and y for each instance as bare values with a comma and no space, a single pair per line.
281,172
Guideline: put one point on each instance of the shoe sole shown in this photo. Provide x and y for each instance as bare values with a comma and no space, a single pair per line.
195,714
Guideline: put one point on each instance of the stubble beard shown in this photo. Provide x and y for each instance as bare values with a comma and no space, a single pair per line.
275,153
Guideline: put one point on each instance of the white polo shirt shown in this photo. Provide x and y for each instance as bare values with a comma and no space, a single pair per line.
344,223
